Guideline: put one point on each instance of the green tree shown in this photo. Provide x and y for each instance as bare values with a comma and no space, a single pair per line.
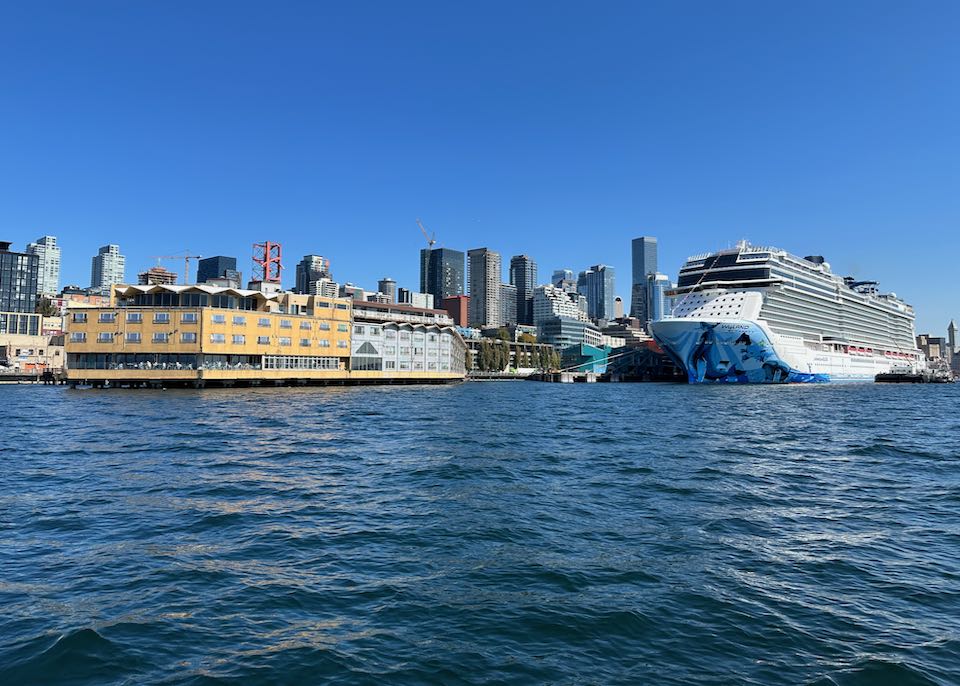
46,307
528,338
503,334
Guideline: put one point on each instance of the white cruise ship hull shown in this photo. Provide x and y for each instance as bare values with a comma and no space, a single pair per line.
747,351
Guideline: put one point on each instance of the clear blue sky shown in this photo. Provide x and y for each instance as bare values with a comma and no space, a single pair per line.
561,130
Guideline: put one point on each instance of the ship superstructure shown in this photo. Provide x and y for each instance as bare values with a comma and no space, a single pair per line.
760,314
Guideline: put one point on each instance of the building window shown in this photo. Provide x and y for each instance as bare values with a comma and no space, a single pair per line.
324,343
358,330
239,339
341,306
391,350
79,317
391,334
134,317
218,338
190,337
263,321
390,364
418,365
405,366
342,328
239,320
263,340
305,342
285,340
286,324
108,317
341,344
404,335
133,337
324,326
160,337
432,338
219,319
304,325
188,318
404,351
78,337
161,318
104,337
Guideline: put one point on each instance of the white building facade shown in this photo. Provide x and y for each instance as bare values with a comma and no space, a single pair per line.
48,273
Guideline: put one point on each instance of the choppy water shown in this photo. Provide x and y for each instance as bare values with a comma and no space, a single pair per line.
482,533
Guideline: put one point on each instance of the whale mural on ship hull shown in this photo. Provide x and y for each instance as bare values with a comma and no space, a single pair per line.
726,352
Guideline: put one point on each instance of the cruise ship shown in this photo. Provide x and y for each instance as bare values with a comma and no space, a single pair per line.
761,315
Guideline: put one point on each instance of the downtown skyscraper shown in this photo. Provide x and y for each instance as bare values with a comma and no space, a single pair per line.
597,285
310,269
107,268
486,276
523,275
441,273
644,253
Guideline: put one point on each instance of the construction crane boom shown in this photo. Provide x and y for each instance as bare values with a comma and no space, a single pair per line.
186,263
431,237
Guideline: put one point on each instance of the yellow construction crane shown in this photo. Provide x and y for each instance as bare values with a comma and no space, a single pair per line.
431,237
186,263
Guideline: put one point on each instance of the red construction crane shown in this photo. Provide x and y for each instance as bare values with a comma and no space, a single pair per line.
266,257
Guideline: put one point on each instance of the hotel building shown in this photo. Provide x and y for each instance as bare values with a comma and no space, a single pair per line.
205,335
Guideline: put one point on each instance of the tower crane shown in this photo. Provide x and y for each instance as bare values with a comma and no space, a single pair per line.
186,263
431,237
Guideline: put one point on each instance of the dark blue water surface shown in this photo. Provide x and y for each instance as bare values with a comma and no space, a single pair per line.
481,533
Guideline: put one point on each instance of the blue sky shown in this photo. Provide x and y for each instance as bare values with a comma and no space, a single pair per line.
561,130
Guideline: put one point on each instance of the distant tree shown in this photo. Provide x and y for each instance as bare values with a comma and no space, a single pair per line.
487,359
46,308
504,356
528,338
503,334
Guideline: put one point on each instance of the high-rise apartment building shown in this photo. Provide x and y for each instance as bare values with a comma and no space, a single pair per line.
19,274
388,287
220,268
48,271
563,279
509,301
107,268
523,275
441,273
597,284
644,253
310,269
550,301
485,274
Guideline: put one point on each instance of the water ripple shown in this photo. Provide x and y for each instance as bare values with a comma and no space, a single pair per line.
482,533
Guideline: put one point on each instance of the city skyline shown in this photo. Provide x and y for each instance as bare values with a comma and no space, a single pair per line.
832,144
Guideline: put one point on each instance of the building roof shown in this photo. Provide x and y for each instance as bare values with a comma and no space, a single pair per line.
202,288
396,306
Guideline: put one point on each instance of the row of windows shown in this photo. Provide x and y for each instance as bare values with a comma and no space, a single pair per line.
136,317
191,318
300,362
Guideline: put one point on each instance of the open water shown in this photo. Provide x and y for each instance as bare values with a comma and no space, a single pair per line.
485,533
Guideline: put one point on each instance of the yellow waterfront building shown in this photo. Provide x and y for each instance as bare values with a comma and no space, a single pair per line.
167,335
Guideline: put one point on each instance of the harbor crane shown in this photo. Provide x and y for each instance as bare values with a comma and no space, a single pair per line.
431,237
186,263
